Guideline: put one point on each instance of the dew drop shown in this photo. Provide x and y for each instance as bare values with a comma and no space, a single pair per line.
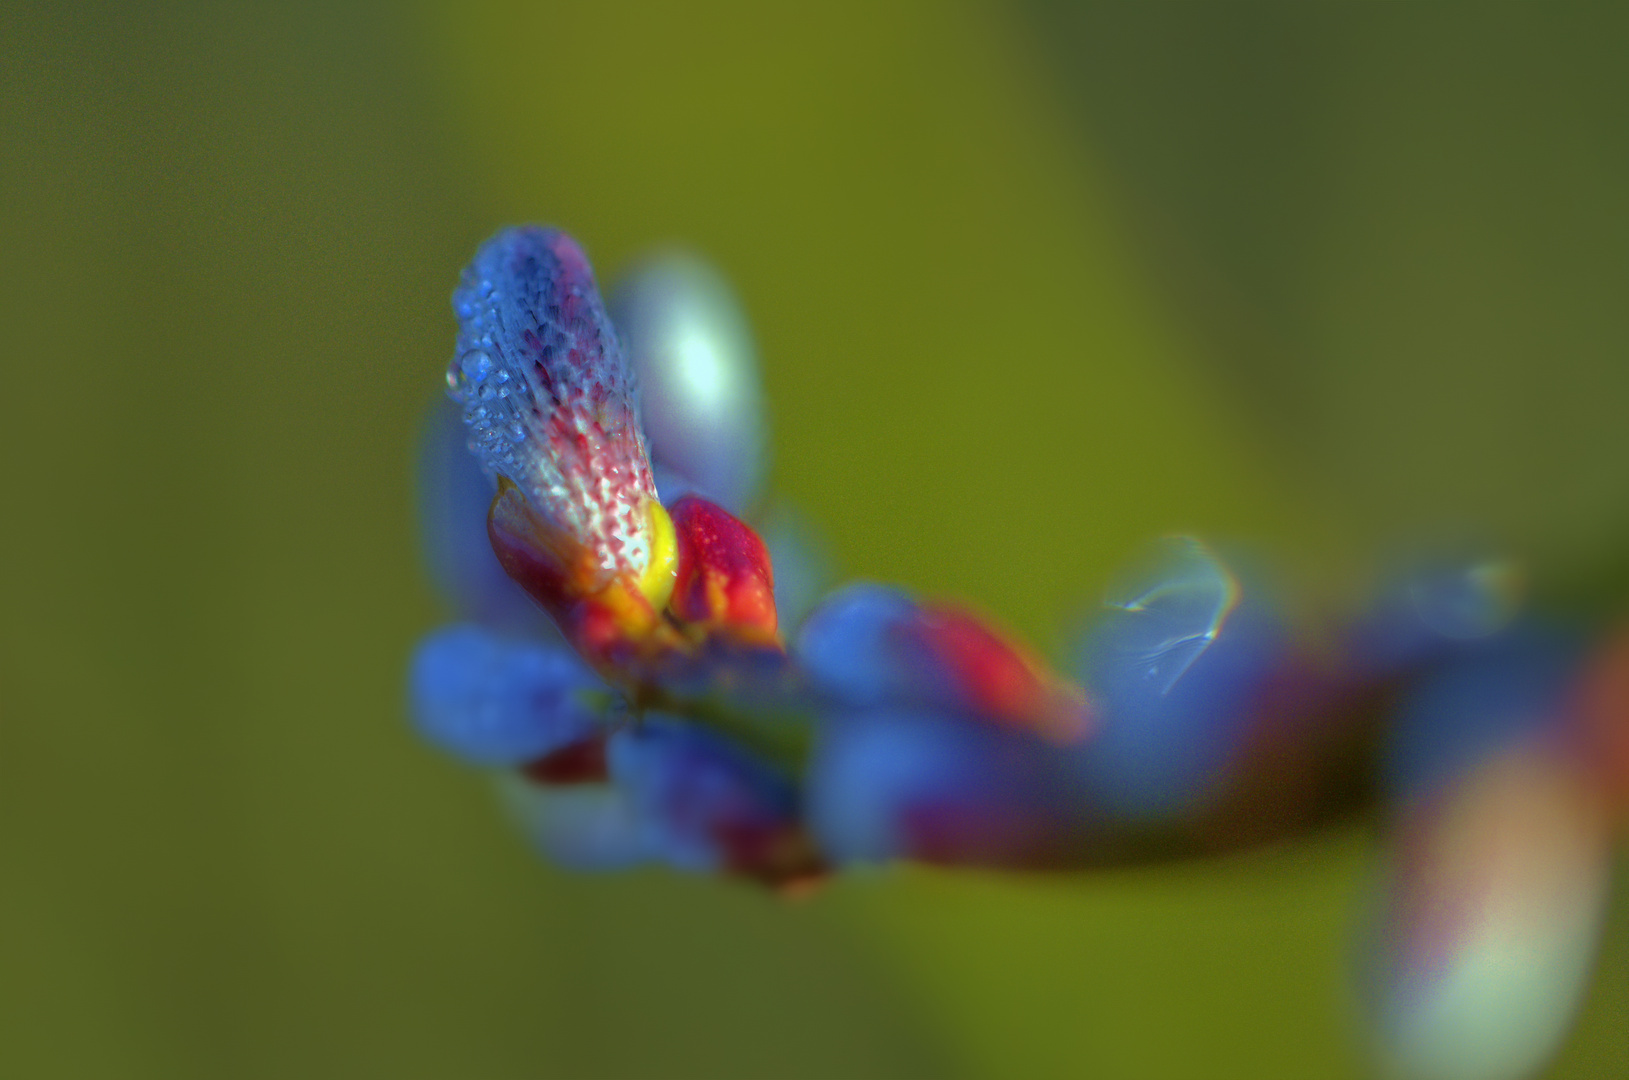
474,366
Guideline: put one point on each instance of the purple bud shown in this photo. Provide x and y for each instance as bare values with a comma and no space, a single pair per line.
704,803
939,788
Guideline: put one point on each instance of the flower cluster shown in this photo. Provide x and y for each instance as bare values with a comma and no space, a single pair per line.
639,670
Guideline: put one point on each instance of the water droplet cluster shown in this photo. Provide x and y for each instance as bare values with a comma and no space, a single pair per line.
548,397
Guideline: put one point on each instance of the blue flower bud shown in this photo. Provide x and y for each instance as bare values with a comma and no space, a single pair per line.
704,803
1175,667
1433,609
492,700
846,645
1476,704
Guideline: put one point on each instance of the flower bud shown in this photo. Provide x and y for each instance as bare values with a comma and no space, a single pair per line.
724,579
496,701
550,404
689,344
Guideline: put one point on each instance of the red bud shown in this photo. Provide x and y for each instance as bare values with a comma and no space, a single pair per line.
990,673
724,578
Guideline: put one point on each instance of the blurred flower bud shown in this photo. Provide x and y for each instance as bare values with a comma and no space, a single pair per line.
916,784
690,346
1434,607
580,826
868,646
1176,667
495,701
1488,928
846,646
1493,899
707,805
1476,705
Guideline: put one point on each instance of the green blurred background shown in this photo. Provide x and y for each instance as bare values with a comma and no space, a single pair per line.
1032,284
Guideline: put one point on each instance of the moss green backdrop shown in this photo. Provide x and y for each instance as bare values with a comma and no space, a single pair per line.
1032,285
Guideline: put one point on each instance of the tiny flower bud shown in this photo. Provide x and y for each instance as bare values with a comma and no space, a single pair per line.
724,576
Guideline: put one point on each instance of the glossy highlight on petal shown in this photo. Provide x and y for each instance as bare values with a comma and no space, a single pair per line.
1170,611
550,401
690,346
